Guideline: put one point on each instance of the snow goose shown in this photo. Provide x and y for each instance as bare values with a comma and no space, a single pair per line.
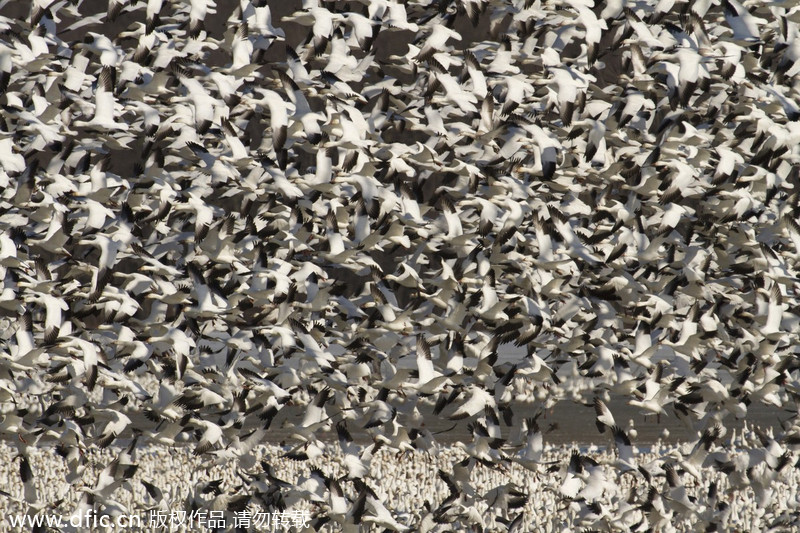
745,26
430,380
105,106
375,511
309,121
652,395
363,31
677,495
477,400
209,434
604,417
322,22
436,41
117,423
530,454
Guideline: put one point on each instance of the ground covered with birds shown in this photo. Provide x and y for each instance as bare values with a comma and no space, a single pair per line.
345,257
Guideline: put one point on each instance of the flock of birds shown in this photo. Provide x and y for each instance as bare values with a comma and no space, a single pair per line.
327,223
172,481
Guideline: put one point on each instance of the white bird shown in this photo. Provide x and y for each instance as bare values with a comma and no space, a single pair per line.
278,114
604,416
198,11
377,513
430,380
322,22
436,41
117,423
745,26
210,437
105,106
478,399
652,395
626,456
54,308
531,453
